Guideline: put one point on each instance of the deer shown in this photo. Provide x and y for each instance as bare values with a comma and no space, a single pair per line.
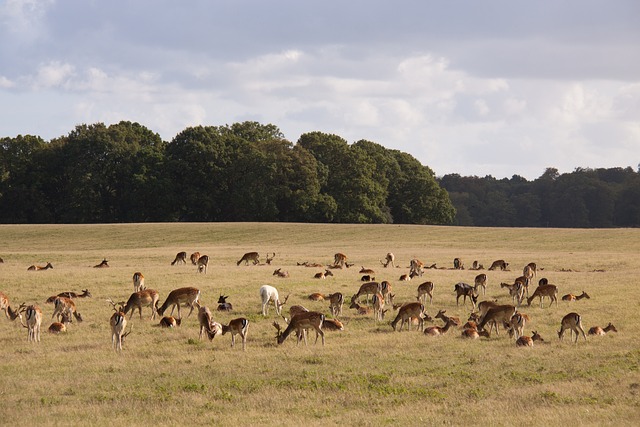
202,263
118,323
65,305
299,323
187,296
309,264
416,267
597,330
267,294
33,315
385,290
516,324
435,331
481,280
532,268
465,290
194,257
364,270
484,306
323,274
181,258
500,263
332,325
425,289
474,333
360,309
340,259
169,322
38,268
147,297
254,257
446,319
138,282
389,259
368,278
103,264
85,294
542,291
516,291
477,266
8,311
457,264
270,258
406,312
223,305
572,321
497,315
205,319
369,288
524,341
317,296
378,307
61,326
336,301
572,297
280,273
239,326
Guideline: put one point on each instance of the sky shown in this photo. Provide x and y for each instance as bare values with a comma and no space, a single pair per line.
476,88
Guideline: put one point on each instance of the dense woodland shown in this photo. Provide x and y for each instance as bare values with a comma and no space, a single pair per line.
250,172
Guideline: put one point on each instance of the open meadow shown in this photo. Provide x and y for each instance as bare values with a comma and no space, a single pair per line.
365,375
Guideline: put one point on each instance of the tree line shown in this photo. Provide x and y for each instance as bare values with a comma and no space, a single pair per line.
241,172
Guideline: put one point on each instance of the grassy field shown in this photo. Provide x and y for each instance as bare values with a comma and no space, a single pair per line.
364,375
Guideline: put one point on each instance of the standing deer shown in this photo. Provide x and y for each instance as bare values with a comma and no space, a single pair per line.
33,315
389,259
147,297
205,320
254,257
118,323
465,290
65,305
481,280
270,294
300,323
542,291
496,316
340,260
571,321
370,288
457,264
239,326
378,307
138,282
181,258
416,267
194,258
406,312
425,289
202,263
188,296
336,301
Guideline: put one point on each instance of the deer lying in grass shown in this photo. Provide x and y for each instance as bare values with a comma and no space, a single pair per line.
103,264
572,297
223,305
597,330
572,321
332,325
280,273
323,274
38,268
435,331
360,309
525,341
85,294
446,319
474,333
61,326
169,322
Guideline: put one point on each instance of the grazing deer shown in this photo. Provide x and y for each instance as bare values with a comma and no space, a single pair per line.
254,257
223,305
406,312
169,322
435,331
138,282
332,325
457,264
571,321
378,307
147,297
572,297
516,291
516,324
425,289
500,263
188,296
280,273
181,258
300,323
323,274
369,288
496,316
38,268
542,291
446,319
416,267
239,326
205,319
336,301
481,280
61,326
465,290
386,289
103,264
484,306
194,257
389,259
202,263
65,305
340,259
270,258
597,330
8,311
33,315
267,294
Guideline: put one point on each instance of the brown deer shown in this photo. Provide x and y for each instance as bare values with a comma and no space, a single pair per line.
65,305
194,257
516,291
366,271
239,326
181,258
187,296
542,291
465,290
205,320
516,324
118,323
484,306
202,263
446,319
138,282
572,321
572,297
496,316
85,294
103,264
435,331
389,259
369,288
323,274
38,268
425,289
378,307
474,333
8,311
597,330
61,326
317,296
340,260
386,289
332,325
481,280
33,316
416,267
299,323
169,322
500,263
145,298
360,309
280,273
457,264
336,301
254,257
406,312
270,258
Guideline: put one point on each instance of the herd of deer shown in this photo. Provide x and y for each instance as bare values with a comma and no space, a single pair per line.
485,313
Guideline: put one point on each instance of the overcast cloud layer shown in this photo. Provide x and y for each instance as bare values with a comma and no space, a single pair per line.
476,88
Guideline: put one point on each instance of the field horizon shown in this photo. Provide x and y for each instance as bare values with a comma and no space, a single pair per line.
365,375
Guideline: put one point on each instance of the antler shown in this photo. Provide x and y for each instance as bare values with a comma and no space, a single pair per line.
279,328
113,304
284,302
127,333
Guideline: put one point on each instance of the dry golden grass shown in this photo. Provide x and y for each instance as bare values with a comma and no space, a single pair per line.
365,375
